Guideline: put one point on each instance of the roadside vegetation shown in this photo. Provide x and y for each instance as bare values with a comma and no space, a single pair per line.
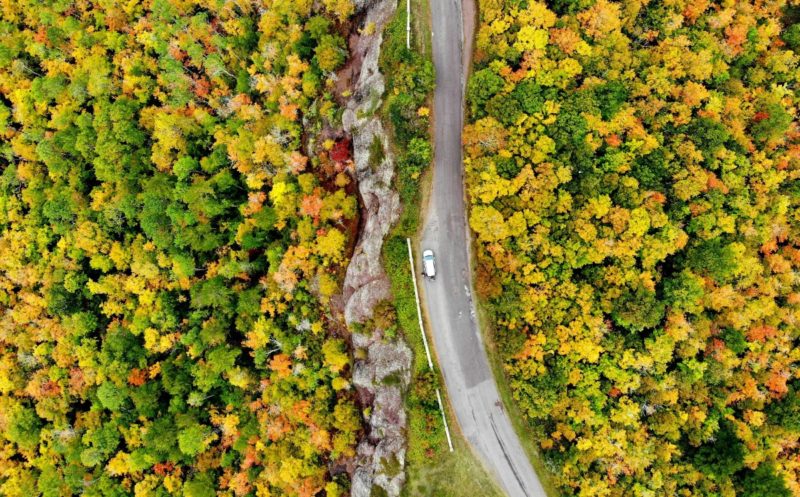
522,424
410,81
175,216
632,172
432,469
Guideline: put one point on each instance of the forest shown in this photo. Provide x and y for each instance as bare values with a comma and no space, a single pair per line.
176,211
632,170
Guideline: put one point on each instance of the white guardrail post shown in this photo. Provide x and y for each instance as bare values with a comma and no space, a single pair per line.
408,24
444,420
425,341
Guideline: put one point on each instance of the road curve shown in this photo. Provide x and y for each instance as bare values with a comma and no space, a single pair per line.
462,357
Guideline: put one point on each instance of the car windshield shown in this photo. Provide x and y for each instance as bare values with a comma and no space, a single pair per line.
428,257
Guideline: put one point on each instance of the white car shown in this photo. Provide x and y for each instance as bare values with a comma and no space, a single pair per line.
428,265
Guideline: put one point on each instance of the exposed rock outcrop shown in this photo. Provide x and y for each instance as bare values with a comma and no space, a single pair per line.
382,375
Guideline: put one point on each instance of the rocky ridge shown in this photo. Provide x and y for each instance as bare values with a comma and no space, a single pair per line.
382,368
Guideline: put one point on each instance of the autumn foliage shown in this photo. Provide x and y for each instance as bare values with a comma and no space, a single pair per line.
633,168
171,233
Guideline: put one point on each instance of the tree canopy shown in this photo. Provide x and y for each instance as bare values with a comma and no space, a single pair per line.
173,226
632,168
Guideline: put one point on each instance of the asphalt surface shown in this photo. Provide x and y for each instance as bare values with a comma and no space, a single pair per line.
457,340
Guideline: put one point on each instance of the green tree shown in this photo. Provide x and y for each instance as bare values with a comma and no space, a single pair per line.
638,309
200,486
764,481
193,439
483,85
330,52
723,456
110,396
24,428
531,96
771,123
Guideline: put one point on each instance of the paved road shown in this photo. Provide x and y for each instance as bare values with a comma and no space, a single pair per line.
457,340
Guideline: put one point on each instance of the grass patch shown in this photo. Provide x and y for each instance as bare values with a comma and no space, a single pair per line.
376,154
395,261
451,474
391,466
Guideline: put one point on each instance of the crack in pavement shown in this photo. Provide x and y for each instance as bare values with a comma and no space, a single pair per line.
505,454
